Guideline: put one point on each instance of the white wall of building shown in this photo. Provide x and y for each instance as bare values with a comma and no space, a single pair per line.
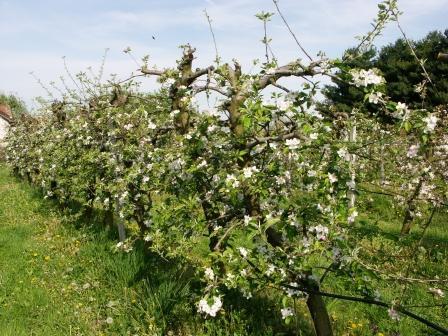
3,128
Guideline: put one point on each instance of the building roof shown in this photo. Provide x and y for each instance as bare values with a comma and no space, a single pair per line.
5,113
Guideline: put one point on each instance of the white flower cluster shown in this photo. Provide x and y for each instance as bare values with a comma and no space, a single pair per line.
393,314
351,218
431,122
243,251
291,291
402,111
344,154
209,274
283,105
232,180
211,310
320,231
413,151
287,312
375,97
292,143
249,171
366,77
125,246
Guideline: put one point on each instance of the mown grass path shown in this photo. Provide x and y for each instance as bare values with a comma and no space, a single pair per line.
25,307
55,279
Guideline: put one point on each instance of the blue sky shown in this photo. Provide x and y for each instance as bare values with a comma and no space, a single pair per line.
35,34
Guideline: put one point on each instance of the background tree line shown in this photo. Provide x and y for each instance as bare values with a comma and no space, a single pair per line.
402,72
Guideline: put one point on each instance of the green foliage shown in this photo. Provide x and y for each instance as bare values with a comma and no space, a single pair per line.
17,105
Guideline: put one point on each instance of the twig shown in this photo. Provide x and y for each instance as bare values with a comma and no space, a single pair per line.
290,30
209,20
408,42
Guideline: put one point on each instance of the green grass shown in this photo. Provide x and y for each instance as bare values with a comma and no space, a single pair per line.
380,223
59,275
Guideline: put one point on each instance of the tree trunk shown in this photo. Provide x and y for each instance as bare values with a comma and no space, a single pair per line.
351,194
108,219
409,213
120,224
319,314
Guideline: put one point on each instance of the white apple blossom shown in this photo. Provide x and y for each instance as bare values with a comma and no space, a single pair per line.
366,77
286,312
270,270
332,177
402,111
169,81
375,97
311,173
280,180
283,105
320,231
431,123
232,180
413,151
314,113
173,113
292,143
204,307
351,218
393,314
343,153
249,171
203,163
209,274
151,125
243,251
211,128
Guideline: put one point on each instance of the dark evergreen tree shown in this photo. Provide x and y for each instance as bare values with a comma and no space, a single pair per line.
402,72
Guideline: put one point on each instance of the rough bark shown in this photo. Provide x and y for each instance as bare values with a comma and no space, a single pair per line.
319,314
409,212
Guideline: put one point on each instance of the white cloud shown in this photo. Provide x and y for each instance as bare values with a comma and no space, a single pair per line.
36,42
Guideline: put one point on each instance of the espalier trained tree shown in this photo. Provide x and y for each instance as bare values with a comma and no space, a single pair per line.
255,194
